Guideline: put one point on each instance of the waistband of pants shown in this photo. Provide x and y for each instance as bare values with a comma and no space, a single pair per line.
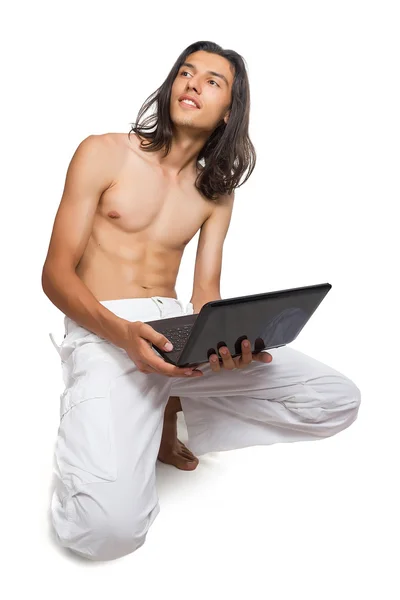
135,309
147,309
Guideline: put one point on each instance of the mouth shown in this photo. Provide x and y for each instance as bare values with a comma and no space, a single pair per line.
187,104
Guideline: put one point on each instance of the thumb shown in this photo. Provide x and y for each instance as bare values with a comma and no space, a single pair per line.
264,357
155,337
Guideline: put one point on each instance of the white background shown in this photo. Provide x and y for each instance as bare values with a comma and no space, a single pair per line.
309,520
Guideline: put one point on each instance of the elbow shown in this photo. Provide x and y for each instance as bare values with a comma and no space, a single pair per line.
50,274
46,279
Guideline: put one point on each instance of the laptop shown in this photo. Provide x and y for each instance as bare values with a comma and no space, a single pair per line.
267,320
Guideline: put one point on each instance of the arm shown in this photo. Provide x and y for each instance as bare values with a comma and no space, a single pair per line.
207,274
89,174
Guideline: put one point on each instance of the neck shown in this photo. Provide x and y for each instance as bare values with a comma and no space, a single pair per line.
182,158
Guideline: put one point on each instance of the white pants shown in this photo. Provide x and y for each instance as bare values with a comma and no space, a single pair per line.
111,421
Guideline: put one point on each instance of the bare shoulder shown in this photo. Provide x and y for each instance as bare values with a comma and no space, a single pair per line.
113,143
124,141
103,146
128,146
100,140
108,151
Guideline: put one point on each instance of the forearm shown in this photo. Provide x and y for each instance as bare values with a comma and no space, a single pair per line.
199,298
73,298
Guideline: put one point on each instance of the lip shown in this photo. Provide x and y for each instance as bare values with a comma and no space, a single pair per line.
187,106
185,96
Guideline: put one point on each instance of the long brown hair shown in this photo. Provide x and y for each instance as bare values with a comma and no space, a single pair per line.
228,152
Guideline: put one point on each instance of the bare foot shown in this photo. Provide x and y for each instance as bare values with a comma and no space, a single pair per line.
172,451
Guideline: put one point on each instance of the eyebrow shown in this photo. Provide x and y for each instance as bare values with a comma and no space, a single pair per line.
186,64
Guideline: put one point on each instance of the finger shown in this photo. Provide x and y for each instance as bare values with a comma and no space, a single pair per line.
227,360
144,368
237,360
149,334
247,355
264,357
154,337
161,366
214,363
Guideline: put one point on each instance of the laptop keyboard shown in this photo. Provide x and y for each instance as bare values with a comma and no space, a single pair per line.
178,335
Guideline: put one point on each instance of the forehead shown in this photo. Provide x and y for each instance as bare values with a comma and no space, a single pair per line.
206,61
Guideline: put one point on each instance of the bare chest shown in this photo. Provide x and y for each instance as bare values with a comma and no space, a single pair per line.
142,203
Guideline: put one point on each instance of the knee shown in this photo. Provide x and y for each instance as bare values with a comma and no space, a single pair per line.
325,405
340,403
108,537
348,401
103,528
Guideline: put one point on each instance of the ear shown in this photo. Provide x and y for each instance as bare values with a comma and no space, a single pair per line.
226,118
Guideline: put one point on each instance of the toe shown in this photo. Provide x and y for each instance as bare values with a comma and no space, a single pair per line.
182,462
188,456
184,450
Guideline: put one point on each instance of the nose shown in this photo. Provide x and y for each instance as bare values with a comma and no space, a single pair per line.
192,87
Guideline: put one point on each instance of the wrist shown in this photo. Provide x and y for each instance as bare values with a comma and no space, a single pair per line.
121,335
116,331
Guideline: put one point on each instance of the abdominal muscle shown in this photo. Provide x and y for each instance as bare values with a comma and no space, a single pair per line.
141,227
112,270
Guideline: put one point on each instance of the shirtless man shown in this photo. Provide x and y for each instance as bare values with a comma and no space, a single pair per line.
123,222
125,218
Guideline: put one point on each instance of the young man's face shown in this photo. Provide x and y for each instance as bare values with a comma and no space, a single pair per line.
211,92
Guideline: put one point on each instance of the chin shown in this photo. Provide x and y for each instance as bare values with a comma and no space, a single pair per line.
183,121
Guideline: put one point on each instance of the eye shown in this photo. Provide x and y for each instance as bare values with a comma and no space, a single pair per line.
183,72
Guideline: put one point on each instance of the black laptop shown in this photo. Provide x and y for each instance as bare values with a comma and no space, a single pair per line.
267,320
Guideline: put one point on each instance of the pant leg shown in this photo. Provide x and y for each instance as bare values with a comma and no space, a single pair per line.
111,420
293,398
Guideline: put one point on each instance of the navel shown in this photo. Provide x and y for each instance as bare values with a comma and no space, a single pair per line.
113,214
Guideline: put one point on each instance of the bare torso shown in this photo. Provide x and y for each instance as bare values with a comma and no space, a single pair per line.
142,224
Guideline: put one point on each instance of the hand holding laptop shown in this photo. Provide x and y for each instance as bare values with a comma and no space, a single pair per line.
238,362
137,344
267,320
142,336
